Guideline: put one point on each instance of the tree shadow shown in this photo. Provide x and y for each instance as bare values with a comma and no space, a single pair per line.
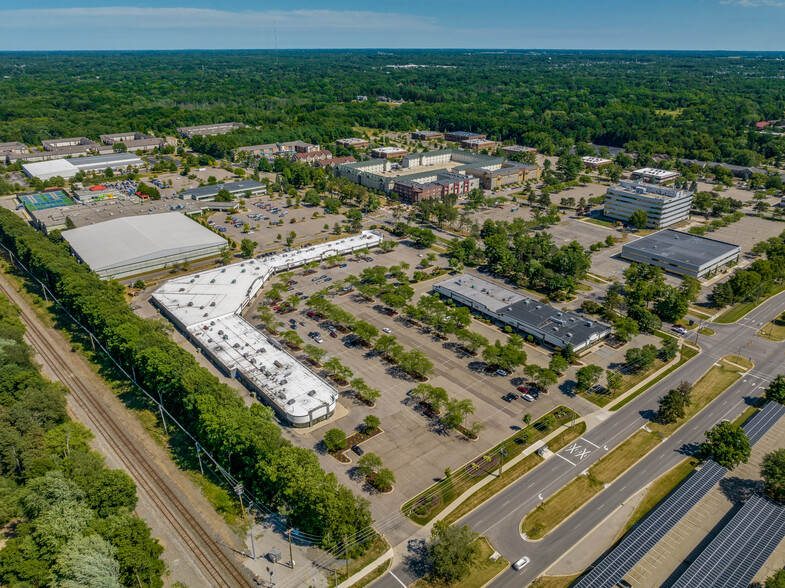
649,415
689,449
477,366
738,489
416,557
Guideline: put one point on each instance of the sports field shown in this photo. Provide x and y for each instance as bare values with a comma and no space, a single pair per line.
43,200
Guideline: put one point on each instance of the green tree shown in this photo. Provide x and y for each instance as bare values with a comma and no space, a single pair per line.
335,439
365,332
613,381
371,423
369,464
625,328
226,255
383,479
113,492
558,364
772,471
639,218
727,445
247,247
776,581
292,338
87,561
138,553
587,377
452,552
775,392
669,349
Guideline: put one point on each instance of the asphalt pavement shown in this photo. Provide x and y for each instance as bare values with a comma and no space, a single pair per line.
499,518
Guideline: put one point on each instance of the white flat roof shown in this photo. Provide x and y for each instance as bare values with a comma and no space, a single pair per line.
655,172
207,302
52,167
134,239
293,387
592,159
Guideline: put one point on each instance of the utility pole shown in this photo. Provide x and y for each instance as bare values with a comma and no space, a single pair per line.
291,557
336,577
239,491
346,554
199,457
503,454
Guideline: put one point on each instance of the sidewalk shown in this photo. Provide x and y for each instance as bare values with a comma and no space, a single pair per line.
423,533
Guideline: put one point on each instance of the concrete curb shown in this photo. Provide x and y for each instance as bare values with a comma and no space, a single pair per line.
389,554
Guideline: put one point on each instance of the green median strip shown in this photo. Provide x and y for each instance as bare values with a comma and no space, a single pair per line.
687,353
483,570
513,473
548,515
377,573
737,311
426,505
773,331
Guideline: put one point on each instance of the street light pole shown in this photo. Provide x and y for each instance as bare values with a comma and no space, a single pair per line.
291,557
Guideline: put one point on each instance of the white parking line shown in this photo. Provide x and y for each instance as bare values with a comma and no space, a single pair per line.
589,442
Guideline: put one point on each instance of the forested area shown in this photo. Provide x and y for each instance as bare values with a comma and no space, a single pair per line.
246,441
694,105
73,516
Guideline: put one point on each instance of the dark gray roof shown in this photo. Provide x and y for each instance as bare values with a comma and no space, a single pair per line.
233,187
678,246
565,325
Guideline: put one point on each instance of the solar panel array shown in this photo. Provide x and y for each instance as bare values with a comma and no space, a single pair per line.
667,513
736,554
757,426
640,540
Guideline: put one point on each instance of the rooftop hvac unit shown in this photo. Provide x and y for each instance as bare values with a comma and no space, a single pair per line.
589,324
212,323
291,401
236,346
205,315
212,304
221,332
311,392
190,303
181,290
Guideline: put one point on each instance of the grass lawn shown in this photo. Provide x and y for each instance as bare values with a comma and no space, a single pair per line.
444,492
619,460
599,221
512,474
376,549
548,515
699,312
483,571
596,279
377,573
739,360
661,487
554,581
687,353
773,331
706,331
737,311
713,383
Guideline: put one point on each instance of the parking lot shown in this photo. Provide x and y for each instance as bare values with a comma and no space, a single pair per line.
416,448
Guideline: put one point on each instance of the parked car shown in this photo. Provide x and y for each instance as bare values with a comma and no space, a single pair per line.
527,397
501,373
357,449
510,397
521,563
386,330
333,334
680,330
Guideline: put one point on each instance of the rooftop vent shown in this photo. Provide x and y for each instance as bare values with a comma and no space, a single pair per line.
212,304
190,303
312,393
291,401
182,289
205,315
212,281
589,324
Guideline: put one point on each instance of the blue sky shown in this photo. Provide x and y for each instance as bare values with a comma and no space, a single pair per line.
735,25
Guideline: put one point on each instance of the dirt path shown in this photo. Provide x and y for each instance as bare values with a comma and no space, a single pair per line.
200,550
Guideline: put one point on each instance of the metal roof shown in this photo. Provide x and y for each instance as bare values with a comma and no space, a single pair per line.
740,549
135,239
212,190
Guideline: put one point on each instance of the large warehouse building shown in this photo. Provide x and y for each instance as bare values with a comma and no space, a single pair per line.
236,189
663,206
547,324
138,244
681,253
206,307
68,168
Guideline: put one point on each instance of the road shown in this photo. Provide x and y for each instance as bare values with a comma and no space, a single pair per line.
499,518
208,559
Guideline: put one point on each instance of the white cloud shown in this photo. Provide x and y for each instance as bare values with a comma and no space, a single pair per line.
131,17
755,3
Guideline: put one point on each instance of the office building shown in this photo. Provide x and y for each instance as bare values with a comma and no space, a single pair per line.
518,149
242,189
214,129
412,191
353,142
458,136
509,173
681,253
594,162
426,135
546,324
654,175
133,141
663,206
388,152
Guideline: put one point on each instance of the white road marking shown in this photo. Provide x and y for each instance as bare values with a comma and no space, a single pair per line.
589,442
565,459
399,580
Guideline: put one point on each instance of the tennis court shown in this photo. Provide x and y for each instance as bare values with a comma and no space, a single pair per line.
44,200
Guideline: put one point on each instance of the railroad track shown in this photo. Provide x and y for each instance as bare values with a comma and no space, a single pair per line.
217,565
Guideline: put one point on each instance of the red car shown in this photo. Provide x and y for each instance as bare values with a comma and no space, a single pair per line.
523,389
333,334
310,314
